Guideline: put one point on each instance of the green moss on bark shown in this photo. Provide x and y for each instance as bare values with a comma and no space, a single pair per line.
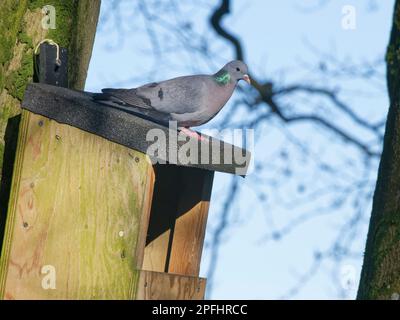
21,30
11,13
25,39
1,77
16,82
66,12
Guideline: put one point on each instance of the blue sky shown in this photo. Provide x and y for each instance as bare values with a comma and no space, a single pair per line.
278,37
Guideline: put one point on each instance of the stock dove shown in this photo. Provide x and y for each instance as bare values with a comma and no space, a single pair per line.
189,100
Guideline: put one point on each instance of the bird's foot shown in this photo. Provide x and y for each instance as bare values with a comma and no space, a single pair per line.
192,133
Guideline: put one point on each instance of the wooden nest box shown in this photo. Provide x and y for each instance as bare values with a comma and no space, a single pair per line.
89,214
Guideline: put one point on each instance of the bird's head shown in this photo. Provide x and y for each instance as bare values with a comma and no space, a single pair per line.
237,70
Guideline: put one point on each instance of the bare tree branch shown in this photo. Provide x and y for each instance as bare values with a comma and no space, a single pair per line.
216,20
267,95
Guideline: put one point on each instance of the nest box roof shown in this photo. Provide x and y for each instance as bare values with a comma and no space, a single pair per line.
76,108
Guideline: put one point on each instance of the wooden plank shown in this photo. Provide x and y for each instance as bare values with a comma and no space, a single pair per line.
190,225
144,220
164,286
75,205
162,218
155,253
178,220
12,203
10,150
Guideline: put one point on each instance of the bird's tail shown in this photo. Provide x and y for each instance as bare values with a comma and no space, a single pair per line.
100,96
105,96
106,99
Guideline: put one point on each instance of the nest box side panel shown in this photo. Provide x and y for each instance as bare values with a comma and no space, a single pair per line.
78,204
191,221
162,218
165,286
178,219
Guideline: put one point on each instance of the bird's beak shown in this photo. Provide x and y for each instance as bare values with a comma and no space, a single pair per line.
246,78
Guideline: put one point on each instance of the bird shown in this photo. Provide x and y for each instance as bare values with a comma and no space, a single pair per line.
191,100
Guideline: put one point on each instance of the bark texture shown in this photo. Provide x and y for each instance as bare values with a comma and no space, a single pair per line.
380,276
21,30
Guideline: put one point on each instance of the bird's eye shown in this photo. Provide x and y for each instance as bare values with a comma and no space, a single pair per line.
237,69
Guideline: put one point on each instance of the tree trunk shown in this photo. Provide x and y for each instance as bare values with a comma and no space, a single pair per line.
380,276
21,30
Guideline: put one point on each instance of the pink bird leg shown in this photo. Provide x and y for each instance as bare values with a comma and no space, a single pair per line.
192,133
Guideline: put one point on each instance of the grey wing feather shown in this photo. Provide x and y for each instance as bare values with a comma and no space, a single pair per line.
179,95
128,96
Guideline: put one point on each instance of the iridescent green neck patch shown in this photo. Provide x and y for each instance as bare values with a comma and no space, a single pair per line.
222,77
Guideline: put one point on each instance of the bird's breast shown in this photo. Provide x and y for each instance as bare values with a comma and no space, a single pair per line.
218,99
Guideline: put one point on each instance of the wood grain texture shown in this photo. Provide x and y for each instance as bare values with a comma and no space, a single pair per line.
178,219
144,220
76,204
156,252
191,221
162,219
164,286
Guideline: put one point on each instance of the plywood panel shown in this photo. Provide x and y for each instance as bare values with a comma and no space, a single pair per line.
144,219
178,220
164,286
75,205
191,221
156,252
162,219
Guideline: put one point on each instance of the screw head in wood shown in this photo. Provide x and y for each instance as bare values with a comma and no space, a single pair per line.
40,123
